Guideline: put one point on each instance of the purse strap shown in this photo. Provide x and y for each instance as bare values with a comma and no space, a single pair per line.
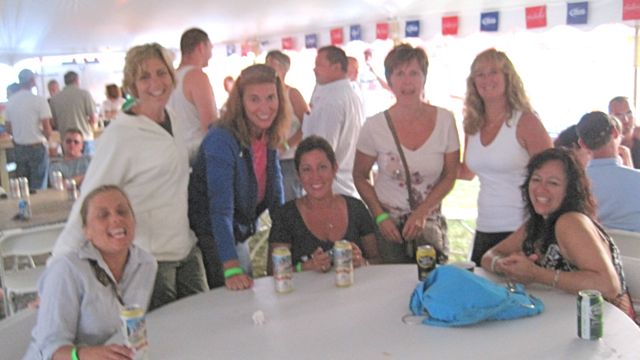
407,174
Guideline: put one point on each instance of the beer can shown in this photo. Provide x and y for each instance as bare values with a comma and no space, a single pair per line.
282,269
23,183
426,260
57,180
24,209
343,260
134,330
590,321
72,189
14,189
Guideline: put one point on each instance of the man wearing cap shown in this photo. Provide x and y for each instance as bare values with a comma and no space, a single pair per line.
29,121
74,108
615,187
193,100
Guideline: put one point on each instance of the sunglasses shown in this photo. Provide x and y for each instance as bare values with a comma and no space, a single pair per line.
72,141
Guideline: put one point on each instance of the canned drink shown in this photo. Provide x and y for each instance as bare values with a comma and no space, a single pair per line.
14,189
282,269
24,209
426,260
72,189
134,330
343,260
590,321
23,183
57,180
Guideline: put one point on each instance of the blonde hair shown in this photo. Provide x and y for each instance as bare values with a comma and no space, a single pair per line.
86,203
133,64
234,118
474,111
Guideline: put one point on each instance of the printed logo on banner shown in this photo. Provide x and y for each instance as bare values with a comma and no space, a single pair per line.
489,21
412,28
382,31
337,36
355,32
449,25
287,43
630,9
231,49
577,13
311,41
536,16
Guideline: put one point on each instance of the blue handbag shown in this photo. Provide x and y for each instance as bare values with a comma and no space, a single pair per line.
451,296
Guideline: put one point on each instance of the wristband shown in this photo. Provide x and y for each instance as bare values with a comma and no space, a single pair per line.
382,217
299,267
494,259
556,277
232,272
286,145
74,353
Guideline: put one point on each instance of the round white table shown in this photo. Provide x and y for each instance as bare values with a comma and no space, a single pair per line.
320,321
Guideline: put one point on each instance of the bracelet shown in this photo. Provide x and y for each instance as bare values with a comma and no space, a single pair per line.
74,353
382,217
494,259
299,267
232,272
556,277
286,145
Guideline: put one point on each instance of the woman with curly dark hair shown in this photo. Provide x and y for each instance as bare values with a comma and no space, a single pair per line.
560,244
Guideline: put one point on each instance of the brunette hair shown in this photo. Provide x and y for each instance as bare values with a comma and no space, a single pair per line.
191,38
335,55
595,129
402,55
311,143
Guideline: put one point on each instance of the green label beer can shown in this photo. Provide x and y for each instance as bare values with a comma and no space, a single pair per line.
590,321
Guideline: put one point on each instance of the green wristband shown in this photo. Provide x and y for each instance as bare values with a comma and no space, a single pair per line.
382,217
74,353
299,267
232,272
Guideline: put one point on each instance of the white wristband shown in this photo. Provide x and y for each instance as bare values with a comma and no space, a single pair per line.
494,259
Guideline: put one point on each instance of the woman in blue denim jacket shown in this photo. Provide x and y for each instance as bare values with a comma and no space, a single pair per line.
236,175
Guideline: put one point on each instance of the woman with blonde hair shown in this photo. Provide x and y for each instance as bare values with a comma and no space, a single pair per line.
236,175
501,133
143,152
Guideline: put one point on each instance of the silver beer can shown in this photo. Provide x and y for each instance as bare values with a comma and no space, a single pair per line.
72,189
343,260
23,183
134,331
57,180
14,189
282,269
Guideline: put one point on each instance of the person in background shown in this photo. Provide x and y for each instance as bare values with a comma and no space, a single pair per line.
193,100
227,83
352,75
336,114
429,140
83,292
501,133
309,226
74,164
143,151
560,244
112,104
615,186
236,175
12,89
29,122
568,139
74,108
620,108
54,87
280,62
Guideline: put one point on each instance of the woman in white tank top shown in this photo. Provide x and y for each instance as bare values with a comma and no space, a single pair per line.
501,133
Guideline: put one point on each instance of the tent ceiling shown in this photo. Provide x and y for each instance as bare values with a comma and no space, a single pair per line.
56,27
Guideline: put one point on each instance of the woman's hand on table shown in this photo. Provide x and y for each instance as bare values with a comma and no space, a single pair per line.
390,231
518,267
239,282
110,352
358,259
320,261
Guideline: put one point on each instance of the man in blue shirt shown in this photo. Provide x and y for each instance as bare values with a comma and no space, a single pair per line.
615,187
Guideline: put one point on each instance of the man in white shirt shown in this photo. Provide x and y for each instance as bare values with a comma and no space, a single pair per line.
29,121
193,100
336,114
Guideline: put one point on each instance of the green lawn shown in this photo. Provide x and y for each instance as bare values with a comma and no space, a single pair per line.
462,198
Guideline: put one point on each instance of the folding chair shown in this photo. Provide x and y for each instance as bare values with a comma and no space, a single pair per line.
28,242
628,242
15,333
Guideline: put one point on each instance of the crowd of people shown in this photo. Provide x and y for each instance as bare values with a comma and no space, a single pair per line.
174,190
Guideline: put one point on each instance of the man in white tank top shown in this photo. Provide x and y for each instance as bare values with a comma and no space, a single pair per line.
193,100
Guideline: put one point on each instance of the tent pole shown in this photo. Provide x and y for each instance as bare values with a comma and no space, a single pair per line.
635,67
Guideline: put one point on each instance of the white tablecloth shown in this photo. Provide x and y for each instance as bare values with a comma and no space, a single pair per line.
320,321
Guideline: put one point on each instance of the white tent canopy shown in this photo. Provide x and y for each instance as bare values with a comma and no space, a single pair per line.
31,28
